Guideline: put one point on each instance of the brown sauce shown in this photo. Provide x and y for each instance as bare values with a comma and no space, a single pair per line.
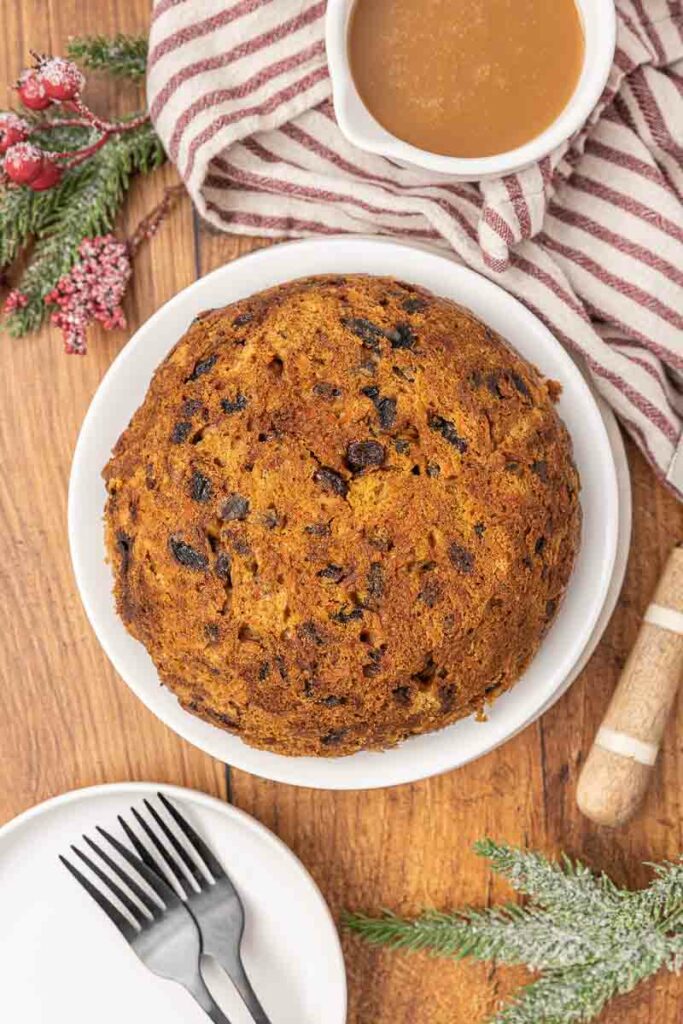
467,78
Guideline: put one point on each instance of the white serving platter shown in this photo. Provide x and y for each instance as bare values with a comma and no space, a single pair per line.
606,515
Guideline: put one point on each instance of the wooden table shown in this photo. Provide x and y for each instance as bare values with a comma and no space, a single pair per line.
66,720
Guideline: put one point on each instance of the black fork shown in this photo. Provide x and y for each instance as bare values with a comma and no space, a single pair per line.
160,931
208,892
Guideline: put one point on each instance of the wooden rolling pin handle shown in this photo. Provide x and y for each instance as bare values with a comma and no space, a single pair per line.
619,766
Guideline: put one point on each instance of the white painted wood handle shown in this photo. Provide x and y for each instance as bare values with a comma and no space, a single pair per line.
619,766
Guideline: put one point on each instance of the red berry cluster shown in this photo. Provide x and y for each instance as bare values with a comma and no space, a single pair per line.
52,80
92,290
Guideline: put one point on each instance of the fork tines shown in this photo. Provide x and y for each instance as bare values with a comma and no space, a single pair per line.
191,871
142,912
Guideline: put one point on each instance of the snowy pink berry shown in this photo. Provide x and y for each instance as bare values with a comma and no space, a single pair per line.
31,90
92,291
60,78
23,162
49,175
15,300
13,129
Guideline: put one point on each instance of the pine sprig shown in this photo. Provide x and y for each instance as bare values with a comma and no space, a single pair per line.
120,55
588,939
84,204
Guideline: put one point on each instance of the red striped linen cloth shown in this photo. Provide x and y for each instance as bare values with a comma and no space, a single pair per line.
590,238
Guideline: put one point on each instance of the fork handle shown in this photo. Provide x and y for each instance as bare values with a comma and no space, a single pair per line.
239,978
201,995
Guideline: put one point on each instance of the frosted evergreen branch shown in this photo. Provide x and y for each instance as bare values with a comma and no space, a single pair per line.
509,935
84,204
122,56
588,939
24,213
565,887
664,896
578,994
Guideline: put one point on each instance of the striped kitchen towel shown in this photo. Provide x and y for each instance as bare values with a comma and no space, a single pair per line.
590,239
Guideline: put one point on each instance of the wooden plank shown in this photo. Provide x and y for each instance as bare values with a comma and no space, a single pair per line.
67,720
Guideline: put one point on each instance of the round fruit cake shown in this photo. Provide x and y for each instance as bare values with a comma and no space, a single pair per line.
345,513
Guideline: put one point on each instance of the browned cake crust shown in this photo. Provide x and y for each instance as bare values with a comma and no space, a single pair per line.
345,513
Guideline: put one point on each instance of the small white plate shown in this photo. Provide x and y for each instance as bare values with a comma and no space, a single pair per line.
64,963
124,388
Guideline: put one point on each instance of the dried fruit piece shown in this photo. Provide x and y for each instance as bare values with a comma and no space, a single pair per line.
203,366
493,384
520,384
236,404
328,391
272,518
368,332
235,508
386,410
333,572
414,305
191,406
264,670
124,546
223,567
331,481
386,407
200,487
362,455
333,701
375,580
332,737
462,559
181,432
401,695
402,446
187,555
402,336
540,469
309,631
345,614
430,593
318,529
447,430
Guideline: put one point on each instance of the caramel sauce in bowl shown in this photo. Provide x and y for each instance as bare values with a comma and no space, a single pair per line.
467,88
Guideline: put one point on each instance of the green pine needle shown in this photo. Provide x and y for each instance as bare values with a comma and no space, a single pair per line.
588,939
121,56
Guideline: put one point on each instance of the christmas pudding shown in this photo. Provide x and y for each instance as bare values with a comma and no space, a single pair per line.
345,513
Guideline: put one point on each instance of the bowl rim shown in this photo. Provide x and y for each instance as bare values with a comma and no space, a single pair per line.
364,131
123,387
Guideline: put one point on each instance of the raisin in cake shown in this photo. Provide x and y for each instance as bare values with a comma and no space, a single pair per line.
345,513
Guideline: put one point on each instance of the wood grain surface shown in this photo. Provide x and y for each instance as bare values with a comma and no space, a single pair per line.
66,720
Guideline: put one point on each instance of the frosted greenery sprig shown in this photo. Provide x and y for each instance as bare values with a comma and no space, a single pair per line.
120,55
587,939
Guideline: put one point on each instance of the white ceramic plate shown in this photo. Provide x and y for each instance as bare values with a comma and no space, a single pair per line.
124,388
62,962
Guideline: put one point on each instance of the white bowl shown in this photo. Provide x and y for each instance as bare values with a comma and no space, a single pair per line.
124,388
361,128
